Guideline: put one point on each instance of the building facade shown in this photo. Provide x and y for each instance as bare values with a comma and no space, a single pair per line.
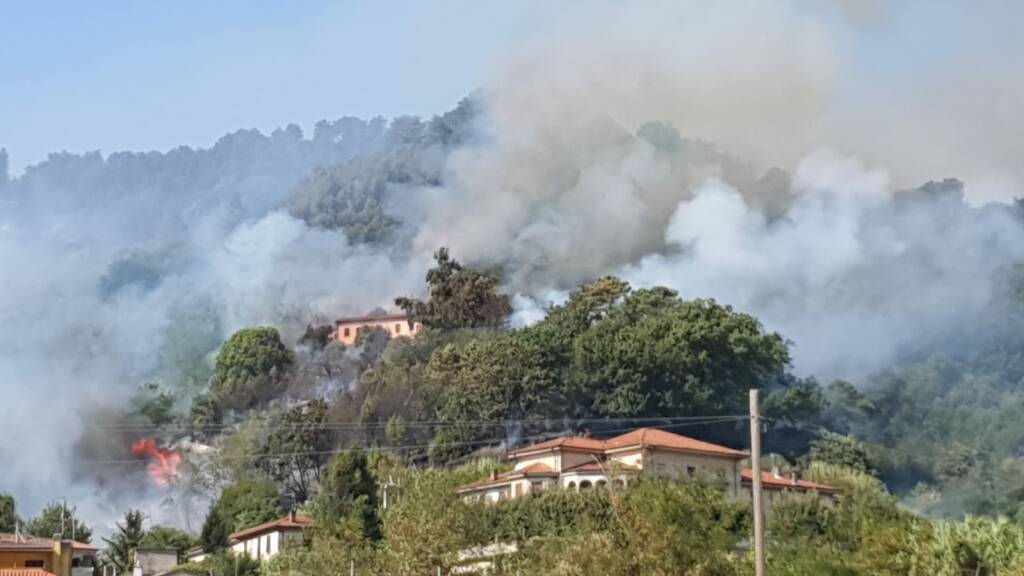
266,540
22,553
574,463
154,561
346,330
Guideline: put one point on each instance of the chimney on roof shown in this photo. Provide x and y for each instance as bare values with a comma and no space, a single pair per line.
291,515
775,472
494,474
792,476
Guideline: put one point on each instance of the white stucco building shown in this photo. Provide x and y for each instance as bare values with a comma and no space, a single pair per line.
266,540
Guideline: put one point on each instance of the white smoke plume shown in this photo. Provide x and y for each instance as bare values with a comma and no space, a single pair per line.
853,274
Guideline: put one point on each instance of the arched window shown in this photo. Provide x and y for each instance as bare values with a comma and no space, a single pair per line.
585,485
572,485
602,483
618,483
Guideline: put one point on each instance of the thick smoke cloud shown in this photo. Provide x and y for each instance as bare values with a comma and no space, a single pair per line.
578,182
854,274
132,269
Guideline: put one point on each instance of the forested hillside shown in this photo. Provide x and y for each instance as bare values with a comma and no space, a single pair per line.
941,431
887,346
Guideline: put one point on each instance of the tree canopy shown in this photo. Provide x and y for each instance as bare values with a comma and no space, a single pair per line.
169,537
241,505
349,492
8,513
250,366
126,539
297,449
459,297
607,352
49,523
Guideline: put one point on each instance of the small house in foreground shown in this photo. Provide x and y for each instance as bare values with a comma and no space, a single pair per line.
266,540
25,555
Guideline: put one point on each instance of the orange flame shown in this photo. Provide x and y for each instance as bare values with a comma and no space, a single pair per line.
163,463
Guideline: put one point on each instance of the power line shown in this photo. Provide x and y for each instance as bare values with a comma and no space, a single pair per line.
413,423
489,440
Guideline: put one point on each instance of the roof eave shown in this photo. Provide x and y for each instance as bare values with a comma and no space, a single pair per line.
738,455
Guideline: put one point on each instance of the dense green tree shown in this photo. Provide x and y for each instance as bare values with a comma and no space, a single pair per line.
395,430
169,537
155,404
840,450
250,367
349,491
297,449
49,523
8,513
957,461
460,297
799,402
204,416
241,505
126,539
488,380
657,355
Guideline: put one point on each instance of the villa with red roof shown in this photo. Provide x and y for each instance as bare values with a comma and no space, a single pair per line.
576,463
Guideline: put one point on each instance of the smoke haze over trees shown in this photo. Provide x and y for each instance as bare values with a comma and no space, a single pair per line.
125,273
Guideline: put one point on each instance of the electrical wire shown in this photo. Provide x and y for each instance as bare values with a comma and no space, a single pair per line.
481,442
413,423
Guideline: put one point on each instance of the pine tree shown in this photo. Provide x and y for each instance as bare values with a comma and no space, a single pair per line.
121,548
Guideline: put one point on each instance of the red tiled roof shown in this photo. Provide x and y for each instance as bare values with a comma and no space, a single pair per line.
770,480
565,442
537,470
24,572
391,317
655,438
290,522
640,438
601,467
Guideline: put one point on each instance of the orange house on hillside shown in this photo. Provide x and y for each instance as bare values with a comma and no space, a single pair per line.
396,324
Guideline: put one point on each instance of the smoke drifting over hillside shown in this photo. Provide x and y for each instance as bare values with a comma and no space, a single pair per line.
687,148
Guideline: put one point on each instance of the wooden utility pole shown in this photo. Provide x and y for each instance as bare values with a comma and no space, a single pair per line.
755,465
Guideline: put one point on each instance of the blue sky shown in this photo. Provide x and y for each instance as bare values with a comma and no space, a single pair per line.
106,75
150,75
